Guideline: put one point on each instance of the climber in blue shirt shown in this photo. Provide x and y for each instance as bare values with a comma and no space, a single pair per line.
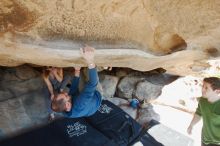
88,101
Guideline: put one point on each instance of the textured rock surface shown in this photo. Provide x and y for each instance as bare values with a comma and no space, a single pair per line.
147,91
15,82
26,111
127,85
108,84
178,36
23,100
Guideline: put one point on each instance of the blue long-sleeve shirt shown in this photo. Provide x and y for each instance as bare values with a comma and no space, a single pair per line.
88,101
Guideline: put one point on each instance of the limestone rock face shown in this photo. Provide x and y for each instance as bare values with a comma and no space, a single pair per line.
179,36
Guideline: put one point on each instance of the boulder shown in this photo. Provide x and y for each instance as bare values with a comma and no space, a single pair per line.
17,81
108,84
147,91
126,86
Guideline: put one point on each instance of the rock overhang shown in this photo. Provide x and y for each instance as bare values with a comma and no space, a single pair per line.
142,35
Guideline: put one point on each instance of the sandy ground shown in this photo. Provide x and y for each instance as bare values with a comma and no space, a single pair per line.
178,121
